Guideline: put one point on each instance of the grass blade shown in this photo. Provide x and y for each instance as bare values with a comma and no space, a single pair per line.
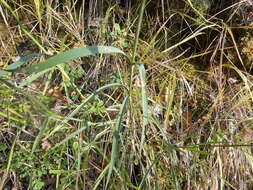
116,139
72,135
32,78
42,129
143,3
144,100
194,35
17,64
71,55
149,170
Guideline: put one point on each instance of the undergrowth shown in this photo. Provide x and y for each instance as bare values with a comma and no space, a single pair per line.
106,95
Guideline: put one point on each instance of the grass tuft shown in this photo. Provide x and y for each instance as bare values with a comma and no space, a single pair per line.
128,95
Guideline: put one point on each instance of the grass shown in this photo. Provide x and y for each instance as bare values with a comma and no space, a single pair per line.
114,98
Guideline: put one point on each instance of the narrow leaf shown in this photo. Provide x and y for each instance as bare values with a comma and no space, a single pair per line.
42,129
17,64
144,100
116,139
71,55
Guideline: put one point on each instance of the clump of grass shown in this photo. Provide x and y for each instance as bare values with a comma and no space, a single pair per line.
178,116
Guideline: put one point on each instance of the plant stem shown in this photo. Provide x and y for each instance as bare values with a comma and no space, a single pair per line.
138,29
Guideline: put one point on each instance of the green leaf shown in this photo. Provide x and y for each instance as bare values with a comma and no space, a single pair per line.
32,78
116,140
72,135
3,147
17,64
42,130
200,152
71,55
144,101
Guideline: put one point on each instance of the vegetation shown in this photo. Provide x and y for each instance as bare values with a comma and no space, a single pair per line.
126,95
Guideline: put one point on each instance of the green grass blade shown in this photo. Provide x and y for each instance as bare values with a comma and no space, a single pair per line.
200,152
144,100
21,61
116,139
11,155
143,4
32,78
100,177
149,170
37,139
9,117
17,64
72,135
71,55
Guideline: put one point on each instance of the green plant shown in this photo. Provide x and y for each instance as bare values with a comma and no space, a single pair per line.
119,35
161,117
